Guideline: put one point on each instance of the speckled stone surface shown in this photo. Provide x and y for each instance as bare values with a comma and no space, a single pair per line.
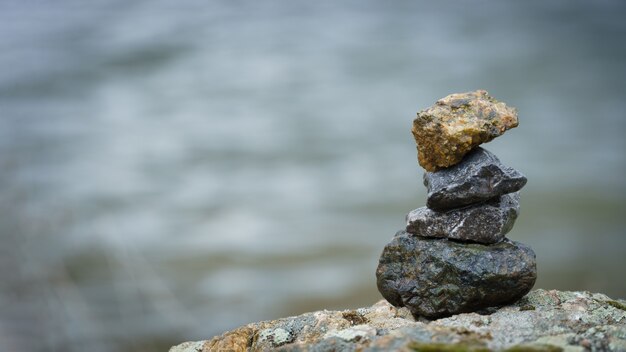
540,321
478,177
485,223
436,277
448,130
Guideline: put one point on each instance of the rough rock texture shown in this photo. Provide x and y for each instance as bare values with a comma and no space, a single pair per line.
478,177
541,321
436,277
446,131
483,223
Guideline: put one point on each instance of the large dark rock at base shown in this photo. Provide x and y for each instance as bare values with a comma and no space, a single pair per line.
483,223
436,278
478,177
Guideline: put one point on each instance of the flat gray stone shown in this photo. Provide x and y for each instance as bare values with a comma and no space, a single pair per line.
483,223
478,177
436,278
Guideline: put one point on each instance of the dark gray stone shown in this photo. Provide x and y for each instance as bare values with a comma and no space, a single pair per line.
435,278
483,223
478,177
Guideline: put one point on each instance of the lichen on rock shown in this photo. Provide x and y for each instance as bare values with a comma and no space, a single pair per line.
448,130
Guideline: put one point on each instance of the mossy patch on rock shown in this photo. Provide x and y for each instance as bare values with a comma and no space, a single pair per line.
442,347
534,348
617,305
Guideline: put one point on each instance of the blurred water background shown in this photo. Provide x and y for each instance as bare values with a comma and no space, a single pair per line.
171,170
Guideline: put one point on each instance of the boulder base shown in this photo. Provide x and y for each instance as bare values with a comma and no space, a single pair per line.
436,278
542,321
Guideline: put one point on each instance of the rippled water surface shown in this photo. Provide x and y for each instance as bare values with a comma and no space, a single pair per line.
170,170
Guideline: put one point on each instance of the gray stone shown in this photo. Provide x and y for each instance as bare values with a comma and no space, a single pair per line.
478,177
483,223
435,278
541,321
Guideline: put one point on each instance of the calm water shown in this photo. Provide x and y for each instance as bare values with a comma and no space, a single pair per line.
173,170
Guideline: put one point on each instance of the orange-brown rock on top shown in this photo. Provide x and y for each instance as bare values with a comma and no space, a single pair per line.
448,130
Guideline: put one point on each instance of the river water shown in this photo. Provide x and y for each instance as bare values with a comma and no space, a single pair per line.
171,170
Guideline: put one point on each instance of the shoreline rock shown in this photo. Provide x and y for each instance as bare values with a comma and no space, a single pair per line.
540,321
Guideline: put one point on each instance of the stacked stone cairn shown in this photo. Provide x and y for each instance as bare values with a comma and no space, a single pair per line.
453,257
